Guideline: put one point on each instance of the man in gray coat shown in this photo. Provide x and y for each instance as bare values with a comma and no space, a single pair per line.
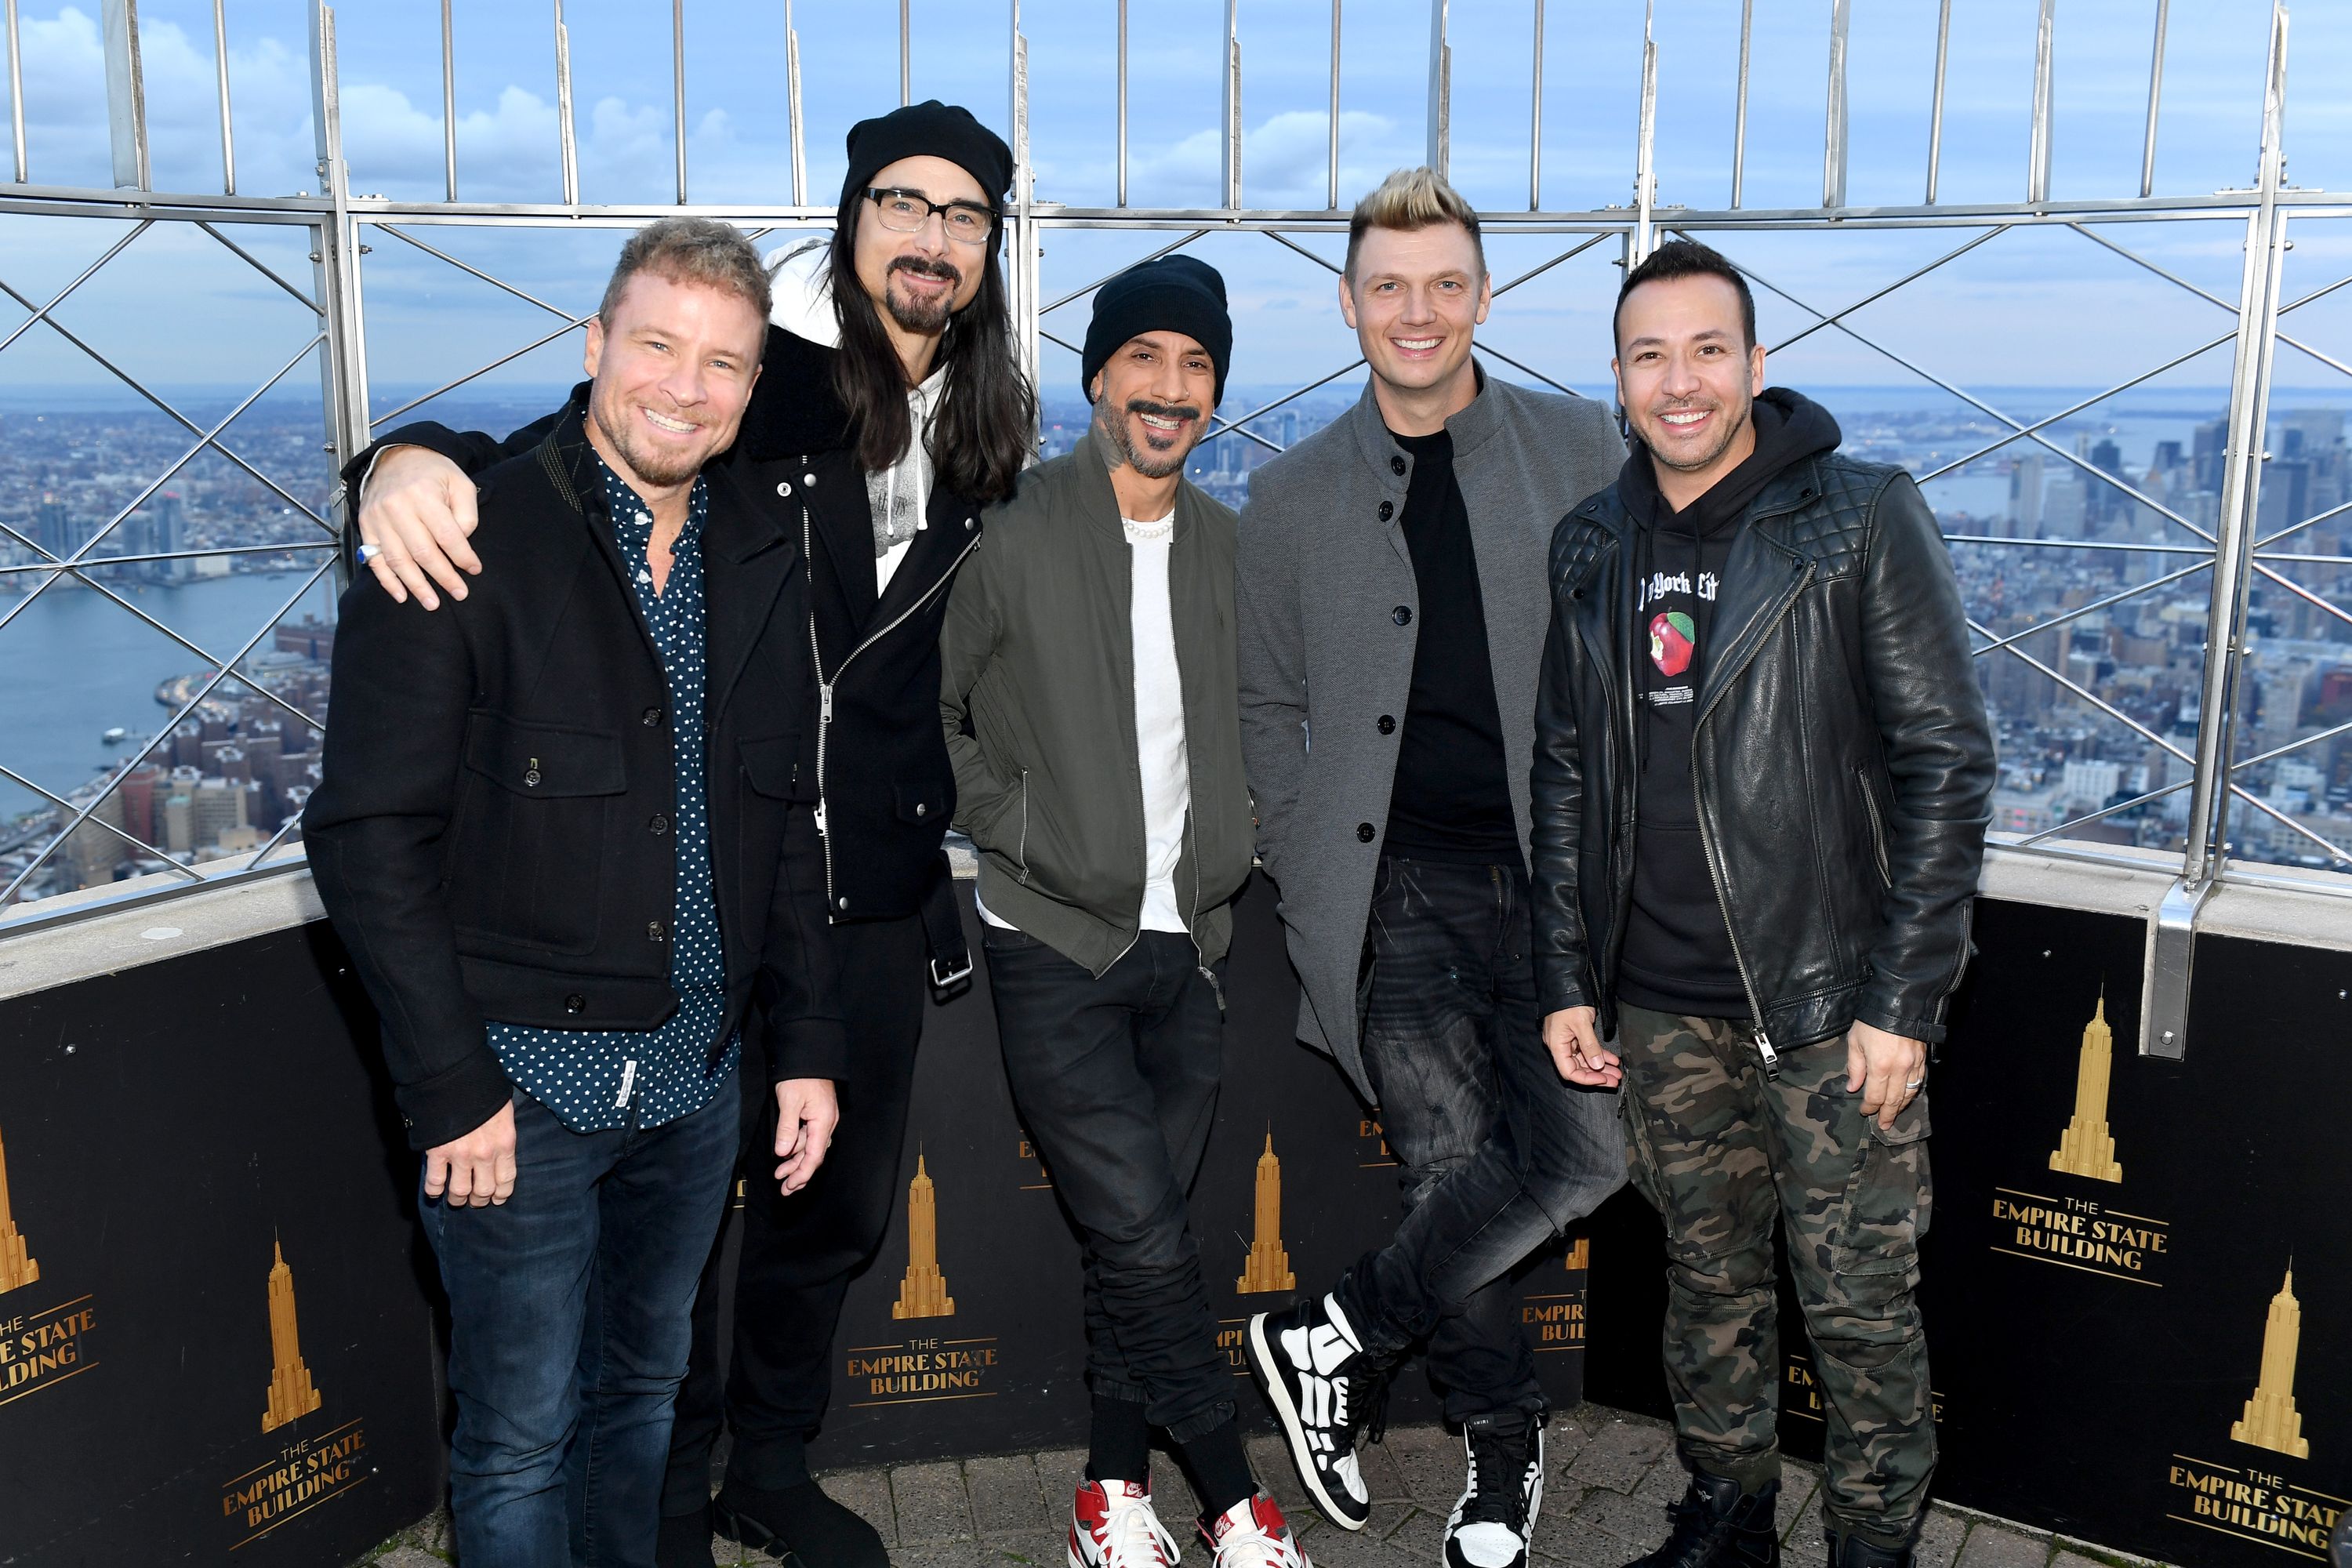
1393,608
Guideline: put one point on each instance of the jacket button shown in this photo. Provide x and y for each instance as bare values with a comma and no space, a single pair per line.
1396,465
783,486
969,523
1388,723
842,902
1363,833
1402,614
651,718
575,1003
1576,592
659,824
656,929
1388,510
922,808
809,480
530,778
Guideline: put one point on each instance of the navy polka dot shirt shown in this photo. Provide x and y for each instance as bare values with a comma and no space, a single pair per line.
597,1079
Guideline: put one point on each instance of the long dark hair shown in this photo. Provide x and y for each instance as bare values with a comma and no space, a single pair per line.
987,419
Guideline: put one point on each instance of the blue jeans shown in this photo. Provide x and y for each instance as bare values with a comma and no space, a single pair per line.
1499,1153
569,1325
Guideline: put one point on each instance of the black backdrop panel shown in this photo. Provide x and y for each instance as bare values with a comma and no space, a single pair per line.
2098,1328
170,1131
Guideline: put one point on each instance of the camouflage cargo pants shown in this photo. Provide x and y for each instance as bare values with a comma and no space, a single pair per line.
1720,1151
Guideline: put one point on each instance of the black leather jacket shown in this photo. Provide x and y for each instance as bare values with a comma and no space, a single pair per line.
1843,763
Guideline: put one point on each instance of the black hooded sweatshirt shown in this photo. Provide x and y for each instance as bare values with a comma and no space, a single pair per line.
1677,956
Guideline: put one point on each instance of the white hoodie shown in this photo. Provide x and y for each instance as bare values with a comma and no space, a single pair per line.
898,495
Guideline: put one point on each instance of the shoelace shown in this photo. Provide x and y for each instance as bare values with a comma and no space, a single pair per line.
1374,1422
1247,1546
1133,1537
1498,1466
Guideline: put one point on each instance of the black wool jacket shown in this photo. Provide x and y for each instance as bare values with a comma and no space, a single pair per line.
492,835
1840,757
870,737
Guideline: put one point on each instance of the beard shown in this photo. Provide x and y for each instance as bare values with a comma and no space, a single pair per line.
1728,431
920,314
658,466
1154,460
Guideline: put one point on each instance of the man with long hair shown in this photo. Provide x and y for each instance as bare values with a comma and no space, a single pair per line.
891,413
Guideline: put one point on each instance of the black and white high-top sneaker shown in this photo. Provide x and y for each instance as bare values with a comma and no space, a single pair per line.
1491,1525
1325,1388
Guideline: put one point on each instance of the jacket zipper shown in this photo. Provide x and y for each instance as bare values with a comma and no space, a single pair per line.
1193,922
1764,1048
1024,851
1878,828
825,684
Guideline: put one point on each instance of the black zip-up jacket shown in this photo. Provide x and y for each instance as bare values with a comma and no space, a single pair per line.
872,735
492,834
1841,759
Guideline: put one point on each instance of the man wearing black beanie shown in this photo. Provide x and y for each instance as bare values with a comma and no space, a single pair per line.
891,413
1089,647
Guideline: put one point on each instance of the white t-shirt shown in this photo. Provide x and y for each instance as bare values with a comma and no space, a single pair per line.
802,295
1160,754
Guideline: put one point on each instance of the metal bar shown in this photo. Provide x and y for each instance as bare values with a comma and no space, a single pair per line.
229,131
1333,128
126,96
2037,170
2060,830
466,266
678,81
2304,560
2336,851
2086,694
1233,104
2299,527
566,146
1122,102
259,265
448,101
52,565
793,107
1740,111
1056,304
2297,589
906,57
152,853
1915,274
2155,98
1936,106
572,323
2079,611
2320,293
1290,244
1221,426
2330,361
1025,259
1996,541
1556,386
86,273
1643,238
2139,260
1535,118
17,95
1834,117
342,371
1441,90
1539,269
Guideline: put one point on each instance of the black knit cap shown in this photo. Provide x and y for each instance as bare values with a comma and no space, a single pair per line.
1173,294
928,129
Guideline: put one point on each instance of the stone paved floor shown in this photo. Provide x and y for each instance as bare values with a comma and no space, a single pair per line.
1604,1503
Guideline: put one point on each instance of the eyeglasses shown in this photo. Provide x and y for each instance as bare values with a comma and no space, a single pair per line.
906,212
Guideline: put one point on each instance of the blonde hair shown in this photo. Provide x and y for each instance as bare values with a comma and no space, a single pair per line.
692,250
1412,199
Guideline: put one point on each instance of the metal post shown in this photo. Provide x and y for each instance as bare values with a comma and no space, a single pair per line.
126,97
449,100
1122,102
793,108
2037,173
1334,126
1233,104
16,94
678,88
2165,1010
336,270
2155,97
1936,112
228,133
1834,120
1642,239
1535,120
1740,110
1021,253
567,146
906,55
1441,90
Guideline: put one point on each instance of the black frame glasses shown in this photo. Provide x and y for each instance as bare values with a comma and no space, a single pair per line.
978,222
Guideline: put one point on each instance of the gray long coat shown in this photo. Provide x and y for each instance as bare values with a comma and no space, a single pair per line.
1320,577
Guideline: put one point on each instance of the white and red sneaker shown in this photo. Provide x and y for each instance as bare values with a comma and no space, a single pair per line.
1112,1526
1254,1534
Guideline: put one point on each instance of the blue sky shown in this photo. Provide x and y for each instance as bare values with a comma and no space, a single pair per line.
2028,308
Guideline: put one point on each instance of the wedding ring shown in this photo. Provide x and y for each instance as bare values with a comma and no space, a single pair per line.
1915,1083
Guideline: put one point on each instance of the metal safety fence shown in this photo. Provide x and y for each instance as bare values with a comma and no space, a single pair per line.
2182,669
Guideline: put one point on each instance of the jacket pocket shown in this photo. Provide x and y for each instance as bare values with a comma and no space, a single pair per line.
772,765
527,864
1877,823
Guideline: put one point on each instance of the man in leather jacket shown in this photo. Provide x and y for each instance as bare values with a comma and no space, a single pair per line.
891,413
1760,785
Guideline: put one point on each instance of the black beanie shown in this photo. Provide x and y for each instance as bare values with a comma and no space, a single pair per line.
928,130
1173,294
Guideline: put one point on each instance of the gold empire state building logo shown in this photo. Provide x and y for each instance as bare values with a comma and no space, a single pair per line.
17,1265
2270,1420
2087,1147
1268,1267
923,1293
291,1392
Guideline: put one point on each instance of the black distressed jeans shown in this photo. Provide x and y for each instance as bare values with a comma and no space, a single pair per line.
1499,1153
1116,1080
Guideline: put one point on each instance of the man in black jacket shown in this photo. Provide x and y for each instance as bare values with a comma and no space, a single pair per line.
562,833
891,412
1762,778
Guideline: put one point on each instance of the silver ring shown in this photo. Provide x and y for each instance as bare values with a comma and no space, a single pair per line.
1915,1083
368,552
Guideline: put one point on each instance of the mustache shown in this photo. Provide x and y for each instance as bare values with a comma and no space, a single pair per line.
1163,410
926,267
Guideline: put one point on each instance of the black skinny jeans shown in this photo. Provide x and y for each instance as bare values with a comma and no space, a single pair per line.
1499,1153
1116,1080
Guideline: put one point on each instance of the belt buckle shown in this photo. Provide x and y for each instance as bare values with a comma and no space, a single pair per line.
940,982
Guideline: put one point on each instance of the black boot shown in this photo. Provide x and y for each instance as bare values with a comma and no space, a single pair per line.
800,1524
685,1540
1718,1526
1853,1552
